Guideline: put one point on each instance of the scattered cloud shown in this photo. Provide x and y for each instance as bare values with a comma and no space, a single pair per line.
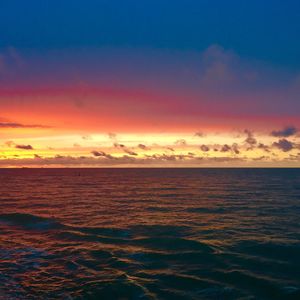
263,147
102,154
86,137
285,132
199,134
125,149
204,148
24,147
181,142
284,144
225,148
170,149
250,140
235,148
143,147
112,136
10,143
19,125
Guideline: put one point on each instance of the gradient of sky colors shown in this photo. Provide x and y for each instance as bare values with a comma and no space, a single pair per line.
149,83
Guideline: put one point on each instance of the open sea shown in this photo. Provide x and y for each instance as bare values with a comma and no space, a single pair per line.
149,234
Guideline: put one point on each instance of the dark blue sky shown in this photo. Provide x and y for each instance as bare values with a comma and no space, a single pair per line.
263,30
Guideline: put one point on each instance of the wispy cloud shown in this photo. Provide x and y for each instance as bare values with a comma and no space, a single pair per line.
20,125
125,149
24,147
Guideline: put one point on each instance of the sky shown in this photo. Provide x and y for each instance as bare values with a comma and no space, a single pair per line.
133,83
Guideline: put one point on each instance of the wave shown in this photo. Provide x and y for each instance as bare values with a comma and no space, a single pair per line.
29,221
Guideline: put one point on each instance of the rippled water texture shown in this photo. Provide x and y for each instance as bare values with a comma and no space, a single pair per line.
150,234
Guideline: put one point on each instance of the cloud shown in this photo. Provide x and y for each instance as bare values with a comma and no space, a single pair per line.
130,152
225,148
143,147
263,157
86,137
19,125
285,132
24,147
170,149
284,145
235,148
125,149
251,140
199,134
181,142
204,148
10,143
263,147
99,159
102,154
112,136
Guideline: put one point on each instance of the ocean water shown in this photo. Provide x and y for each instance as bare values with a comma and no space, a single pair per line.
150,234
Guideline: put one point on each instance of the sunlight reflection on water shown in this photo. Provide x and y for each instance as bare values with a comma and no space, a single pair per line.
150,234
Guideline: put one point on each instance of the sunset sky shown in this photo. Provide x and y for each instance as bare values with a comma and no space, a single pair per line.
149,83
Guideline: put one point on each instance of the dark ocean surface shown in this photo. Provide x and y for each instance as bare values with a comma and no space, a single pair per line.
150,234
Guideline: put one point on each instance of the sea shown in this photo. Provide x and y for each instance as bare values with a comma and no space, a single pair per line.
150,234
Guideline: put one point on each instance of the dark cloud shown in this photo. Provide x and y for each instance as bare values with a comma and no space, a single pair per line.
263,147
19,125
285,132
130,152
284,145
143,147
24,147
251,140
102,154
235,148
76,145
204,148
117,145
225,148
125,149
170,148
97,153
36,156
